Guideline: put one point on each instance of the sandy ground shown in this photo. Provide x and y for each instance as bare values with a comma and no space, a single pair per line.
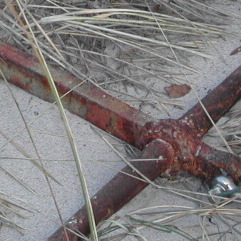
48,133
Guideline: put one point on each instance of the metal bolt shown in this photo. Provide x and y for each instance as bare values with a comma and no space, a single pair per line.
224,186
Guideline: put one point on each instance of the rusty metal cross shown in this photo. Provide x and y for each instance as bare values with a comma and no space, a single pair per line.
176,144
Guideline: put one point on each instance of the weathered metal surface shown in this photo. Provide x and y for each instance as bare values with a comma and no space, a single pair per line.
176,143
114,196
177,147
191,154
86,101
217,103
101,109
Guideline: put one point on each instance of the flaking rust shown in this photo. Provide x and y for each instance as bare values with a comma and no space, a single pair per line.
175,144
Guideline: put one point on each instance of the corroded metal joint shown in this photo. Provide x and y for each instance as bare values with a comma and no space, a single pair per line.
191,154
174,144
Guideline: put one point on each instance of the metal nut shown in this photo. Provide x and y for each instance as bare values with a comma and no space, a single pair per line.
222,184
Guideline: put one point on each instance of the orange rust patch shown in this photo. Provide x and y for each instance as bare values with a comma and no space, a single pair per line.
17,81
98,116
18,56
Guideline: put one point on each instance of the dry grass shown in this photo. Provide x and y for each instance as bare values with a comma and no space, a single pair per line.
130,49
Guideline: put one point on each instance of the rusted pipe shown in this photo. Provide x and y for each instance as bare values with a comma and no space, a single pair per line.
176,143
86,101
114,196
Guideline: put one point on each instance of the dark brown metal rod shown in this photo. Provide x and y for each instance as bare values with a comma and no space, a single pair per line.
86,101
217,103
113,196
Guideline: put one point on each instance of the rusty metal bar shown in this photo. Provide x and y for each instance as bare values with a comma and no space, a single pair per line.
103,110
177,148
86,101
176,143
217,103
110,198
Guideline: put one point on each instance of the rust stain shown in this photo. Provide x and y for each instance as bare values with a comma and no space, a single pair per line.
99,116
17,81
113,196
187,152
18,56
87,101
